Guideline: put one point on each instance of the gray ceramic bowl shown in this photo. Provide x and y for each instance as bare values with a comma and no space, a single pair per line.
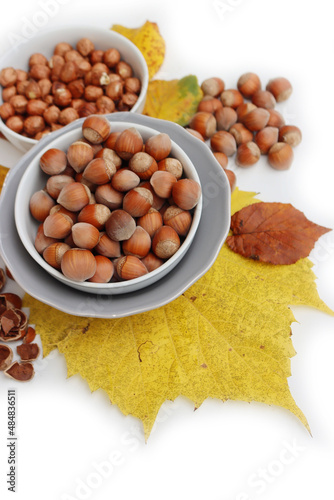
34,179
45,43
210,236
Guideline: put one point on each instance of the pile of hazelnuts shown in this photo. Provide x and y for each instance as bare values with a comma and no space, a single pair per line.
114,207
73,83
244,121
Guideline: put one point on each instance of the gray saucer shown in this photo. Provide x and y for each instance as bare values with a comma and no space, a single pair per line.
210,236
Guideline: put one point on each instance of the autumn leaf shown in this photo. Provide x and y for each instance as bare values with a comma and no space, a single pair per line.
173,100
227,337
3,173
276,233
149,41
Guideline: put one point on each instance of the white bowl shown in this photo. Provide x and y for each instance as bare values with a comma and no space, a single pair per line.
34,179
45,43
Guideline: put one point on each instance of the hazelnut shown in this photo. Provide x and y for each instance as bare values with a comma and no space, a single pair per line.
21,75
128,99
40,71
152,262
264,99
171,165
280,87
99,171
114,90
33,124
69,72
256,119
157,201
128,143
123,69
83,67
45,86
62,210
231,98
22,86
241,134
68,115
213,86
96,129
42,241
290,134
96,56
105,105
104,270
73,56
143,164
77,88
40,205
150,221
19,103
165,242
224,142
33,90
35,106
8,92
244,108
79,154
62,97
110,155
186,193
96,215
74,196
111,57
8,77
85,235
108,196
55,184
221,158
120,226
54,253
204,123
275,119
280,156
92,92
124,180
248,154
99,77
61,48
248,84
209,104
53,161
6,111
159,146
225,118
51,114
85,46
15,123
78,264
180,220
57,225
88,108
77,104
162,183
37,59
137,201
138,244
266,138
111,140
132,84
107,247
130,267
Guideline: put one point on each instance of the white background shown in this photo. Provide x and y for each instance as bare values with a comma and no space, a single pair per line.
220,451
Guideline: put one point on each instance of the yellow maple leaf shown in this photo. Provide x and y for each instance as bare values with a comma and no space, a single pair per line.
173,100
149,41
227,337
3,173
